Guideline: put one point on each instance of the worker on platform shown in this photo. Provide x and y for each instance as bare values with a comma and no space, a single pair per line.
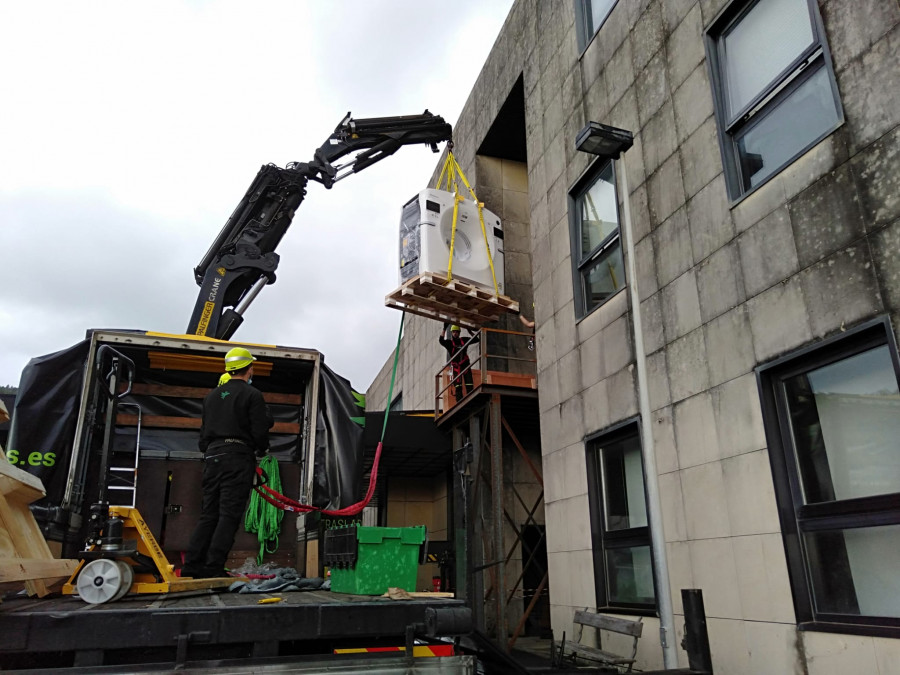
233,433
460,366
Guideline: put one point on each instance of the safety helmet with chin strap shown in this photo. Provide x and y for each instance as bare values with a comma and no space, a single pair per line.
238,358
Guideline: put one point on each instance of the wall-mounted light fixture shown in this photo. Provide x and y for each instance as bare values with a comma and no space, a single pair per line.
605,141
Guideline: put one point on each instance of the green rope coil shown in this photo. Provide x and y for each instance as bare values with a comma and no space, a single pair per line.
263,518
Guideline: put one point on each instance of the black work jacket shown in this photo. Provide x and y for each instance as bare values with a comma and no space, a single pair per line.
235,411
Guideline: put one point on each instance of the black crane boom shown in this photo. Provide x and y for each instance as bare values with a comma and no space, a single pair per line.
242,259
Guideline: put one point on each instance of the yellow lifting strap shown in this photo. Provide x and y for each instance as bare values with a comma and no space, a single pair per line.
451,170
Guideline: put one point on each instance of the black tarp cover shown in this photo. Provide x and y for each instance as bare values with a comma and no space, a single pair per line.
45,415
42,433
339,443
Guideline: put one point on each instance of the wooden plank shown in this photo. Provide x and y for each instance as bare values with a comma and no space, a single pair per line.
597,654
460,288
22,534
18,483
200,364
461,304
169,422
165,391
431,314
467,317
450,300
459,297
23,569
521,380
610,623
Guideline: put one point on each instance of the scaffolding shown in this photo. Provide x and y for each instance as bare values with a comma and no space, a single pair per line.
501,565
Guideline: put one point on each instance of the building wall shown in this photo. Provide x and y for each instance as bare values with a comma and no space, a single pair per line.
724,287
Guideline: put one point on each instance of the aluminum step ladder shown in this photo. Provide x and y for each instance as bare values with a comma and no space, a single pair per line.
123,471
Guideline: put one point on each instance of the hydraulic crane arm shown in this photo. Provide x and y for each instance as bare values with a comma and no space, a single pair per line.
242,258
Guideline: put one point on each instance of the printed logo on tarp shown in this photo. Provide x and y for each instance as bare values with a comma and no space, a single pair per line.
33,459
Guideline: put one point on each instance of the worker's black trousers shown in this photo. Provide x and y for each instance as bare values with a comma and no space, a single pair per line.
227,481
462,374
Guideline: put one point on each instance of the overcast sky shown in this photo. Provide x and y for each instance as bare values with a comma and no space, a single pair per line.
131,130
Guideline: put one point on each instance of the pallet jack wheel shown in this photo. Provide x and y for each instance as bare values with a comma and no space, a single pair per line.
104,580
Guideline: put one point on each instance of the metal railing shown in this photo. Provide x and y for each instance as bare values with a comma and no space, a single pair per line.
501,357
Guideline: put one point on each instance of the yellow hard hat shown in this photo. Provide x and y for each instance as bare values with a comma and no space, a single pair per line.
238,358
454,327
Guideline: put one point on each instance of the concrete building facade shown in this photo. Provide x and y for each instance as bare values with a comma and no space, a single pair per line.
763,195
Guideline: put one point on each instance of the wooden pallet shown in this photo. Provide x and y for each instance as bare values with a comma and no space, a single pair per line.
24,553
454,301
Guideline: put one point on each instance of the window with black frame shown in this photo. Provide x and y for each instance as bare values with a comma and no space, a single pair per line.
623,564
774,87
589,16
598,270
832,418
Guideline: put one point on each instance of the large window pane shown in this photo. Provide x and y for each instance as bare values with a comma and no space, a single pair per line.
845,422
599,10
765,42
623,484
603,277
805,115
629,573
598,215
855,571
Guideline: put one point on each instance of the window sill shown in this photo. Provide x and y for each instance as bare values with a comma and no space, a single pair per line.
605,303
626,611
850,629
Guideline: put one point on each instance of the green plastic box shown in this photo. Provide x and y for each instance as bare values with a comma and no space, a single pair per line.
387,557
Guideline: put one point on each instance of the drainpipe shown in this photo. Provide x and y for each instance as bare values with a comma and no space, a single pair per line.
651,482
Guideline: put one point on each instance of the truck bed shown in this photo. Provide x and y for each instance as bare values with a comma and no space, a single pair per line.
203,626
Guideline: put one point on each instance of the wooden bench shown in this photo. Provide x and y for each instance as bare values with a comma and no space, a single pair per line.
614,624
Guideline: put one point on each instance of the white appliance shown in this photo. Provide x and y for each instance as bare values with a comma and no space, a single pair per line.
425,227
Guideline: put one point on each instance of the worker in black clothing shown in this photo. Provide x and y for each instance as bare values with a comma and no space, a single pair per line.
460,366
234,431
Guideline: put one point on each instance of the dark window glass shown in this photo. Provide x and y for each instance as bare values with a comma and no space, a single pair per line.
599,217
630,574
854,571
623,565
589,17
784,27
623,484
775,91
596,249
832,418
845,422
805,114
604,277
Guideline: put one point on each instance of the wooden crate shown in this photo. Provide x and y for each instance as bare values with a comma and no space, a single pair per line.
24,553
454,301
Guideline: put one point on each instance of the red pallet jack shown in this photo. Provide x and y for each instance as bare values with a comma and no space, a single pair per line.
121,555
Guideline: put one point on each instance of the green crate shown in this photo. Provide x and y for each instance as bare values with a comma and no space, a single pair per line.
387,557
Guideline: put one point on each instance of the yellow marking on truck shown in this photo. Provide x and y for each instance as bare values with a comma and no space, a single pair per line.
208,308
210,339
